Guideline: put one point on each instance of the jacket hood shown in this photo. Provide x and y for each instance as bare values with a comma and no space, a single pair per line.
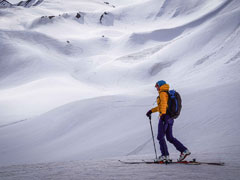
164,87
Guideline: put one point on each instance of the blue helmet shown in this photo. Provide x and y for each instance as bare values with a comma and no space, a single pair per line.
160,83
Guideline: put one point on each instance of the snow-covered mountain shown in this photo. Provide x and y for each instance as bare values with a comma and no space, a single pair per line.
5,4
77,77
28,3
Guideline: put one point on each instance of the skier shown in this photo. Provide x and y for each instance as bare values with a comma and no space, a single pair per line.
165,125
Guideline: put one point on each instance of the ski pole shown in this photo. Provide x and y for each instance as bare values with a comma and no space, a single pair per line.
153,138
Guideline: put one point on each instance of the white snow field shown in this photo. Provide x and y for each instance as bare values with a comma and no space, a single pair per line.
77,78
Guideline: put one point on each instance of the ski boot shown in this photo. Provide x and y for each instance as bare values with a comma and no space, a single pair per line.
163,159
184,154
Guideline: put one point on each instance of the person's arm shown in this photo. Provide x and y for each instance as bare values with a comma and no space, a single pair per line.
156,109
153,110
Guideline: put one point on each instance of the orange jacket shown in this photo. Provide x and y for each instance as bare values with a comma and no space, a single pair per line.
162,100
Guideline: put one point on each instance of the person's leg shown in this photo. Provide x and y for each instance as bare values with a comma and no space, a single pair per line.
161,139
169,135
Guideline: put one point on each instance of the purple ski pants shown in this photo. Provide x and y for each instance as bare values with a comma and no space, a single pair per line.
165,126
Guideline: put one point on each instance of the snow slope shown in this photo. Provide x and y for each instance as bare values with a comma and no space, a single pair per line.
73,87
112,169
115,125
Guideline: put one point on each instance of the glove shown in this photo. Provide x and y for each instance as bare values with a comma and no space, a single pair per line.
163,116
149,114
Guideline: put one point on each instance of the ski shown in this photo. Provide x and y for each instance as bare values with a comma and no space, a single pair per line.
213,163
160,162
193,162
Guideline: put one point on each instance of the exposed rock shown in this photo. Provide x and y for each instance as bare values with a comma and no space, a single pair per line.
38,2
78,15
29,3
101,17
5,4
50,17
109,4
107,19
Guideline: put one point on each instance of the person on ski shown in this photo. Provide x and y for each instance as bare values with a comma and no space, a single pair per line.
165,124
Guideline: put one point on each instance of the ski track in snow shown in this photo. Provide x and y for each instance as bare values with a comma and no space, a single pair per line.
77,77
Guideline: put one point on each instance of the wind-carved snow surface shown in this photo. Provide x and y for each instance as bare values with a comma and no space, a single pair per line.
77,78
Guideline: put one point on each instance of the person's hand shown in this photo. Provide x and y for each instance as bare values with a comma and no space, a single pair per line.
149,114
163,116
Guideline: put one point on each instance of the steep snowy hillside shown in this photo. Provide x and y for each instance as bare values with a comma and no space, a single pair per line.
77,78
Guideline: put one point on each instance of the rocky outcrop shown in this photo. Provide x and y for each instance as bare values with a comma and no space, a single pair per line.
107,19
109,4
79,17
5,4
29,3
38,2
